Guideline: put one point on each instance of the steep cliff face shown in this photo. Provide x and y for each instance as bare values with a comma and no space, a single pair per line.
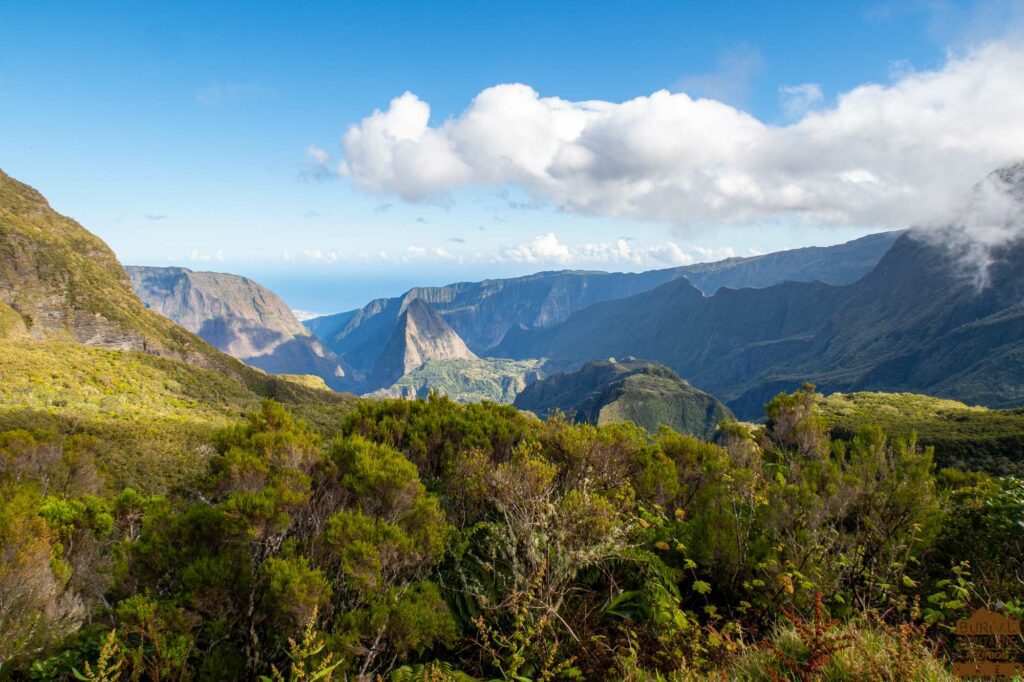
62,281
420,335
239,317
839,264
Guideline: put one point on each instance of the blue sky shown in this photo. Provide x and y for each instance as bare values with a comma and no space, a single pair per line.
210,134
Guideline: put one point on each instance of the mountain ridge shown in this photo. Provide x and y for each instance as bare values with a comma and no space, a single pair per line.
420,334
484,313
875,334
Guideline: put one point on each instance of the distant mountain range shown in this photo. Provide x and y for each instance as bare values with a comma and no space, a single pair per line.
887,312
917,322
239,317
483,313
610,391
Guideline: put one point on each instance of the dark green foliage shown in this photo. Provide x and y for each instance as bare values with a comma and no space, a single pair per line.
610,391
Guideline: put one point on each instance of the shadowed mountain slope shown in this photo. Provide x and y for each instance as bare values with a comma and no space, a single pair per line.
915,323
419,335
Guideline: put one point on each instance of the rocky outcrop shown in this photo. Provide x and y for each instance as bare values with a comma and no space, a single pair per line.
419,335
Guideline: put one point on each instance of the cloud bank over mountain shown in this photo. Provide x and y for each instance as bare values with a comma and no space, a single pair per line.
880,154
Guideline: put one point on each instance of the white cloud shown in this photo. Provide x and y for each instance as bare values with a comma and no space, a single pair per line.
545,250
994,216
882,155
542,249
548,250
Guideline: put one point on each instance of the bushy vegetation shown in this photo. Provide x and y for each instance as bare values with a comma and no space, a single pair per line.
428,540
963,437
155,417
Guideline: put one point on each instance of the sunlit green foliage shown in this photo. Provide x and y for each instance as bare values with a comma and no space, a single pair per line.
965,437
432,540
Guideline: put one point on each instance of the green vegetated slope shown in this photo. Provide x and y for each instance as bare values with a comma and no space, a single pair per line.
466,380
154,415
964,437
425,539
80,353
66,284
610,391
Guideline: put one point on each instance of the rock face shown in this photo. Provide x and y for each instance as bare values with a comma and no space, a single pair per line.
839,264
610,391
920,321
483,313
239,317
420,335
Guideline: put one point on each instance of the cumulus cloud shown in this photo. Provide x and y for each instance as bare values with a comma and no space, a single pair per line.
545,250
881,155
548,250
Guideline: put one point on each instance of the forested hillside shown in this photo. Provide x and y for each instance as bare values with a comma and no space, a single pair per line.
627,390
427,539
